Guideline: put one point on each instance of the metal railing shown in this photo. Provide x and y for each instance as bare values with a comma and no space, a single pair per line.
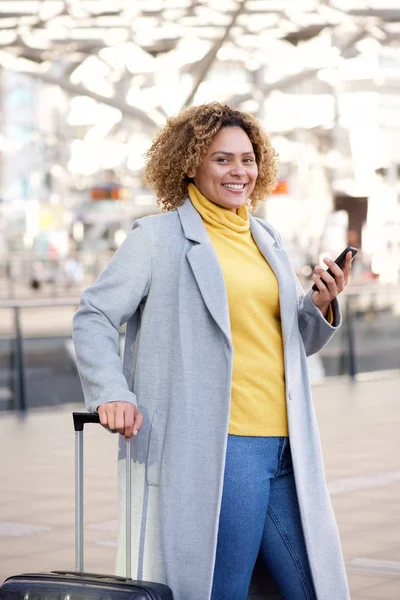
371,324
369,334
18,356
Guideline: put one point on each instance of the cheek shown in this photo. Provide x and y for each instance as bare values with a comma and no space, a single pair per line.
253,175
217,174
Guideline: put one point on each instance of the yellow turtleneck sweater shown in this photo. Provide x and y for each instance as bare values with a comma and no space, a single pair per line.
258,404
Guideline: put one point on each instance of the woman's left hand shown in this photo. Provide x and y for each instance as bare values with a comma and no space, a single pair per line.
330,286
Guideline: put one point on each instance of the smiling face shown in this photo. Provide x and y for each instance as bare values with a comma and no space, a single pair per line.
228,172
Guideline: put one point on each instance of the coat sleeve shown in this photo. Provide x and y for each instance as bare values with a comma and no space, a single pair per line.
315,330
104,307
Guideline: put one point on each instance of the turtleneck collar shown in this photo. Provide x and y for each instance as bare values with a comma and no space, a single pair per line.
217,216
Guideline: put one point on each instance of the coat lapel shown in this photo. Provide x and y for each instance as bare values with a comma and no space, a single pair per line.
206,267
279,263
210,280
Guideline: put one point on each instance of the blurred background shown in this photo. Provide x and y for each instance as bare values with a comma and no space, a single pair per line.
84,86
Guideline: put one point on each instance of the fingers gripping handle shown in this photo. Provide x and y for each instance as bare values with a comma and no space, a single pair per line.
80,419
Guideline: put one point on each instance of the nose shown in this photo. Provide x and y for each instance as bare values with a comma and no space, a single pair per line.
238,170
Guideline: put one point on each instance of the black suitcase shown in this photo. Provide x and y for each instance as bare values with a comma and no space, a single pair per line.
77,585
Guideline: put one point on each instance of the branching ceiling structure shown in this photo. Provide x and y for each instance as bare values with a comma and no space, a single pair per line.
149,58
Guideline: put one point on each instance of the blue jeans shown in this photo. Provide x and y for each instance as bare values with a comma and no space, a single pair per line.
260,514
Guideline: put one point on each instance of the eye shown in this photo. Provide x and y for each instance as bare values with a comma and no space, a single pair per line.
248,160
222,159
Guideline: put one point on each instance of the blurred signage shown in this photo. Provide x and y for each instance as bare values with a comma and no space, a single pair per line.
51,217
108,192
282,187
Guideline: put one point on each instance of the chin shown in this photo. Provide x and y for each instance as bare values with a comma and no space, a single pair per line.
231,205
233,202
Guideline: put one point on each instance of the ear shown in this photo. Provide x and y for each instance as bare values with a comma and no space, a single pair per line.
191,173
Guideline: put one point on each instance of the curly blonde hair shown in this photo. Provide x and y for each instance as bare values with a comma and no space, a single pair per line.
181,144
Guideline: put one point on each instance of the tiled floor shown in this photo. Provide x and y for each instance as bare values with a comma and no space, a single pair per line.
360,430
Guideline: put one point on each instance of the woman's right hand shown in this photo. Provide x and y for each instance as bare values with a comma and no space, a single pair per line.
123,417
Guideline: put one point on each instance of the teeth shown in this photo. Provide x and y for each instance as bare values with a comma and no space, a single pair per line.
234,186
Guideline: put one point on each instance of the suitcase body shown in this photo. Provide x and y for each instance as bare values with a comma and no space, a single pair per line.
78,585
59,585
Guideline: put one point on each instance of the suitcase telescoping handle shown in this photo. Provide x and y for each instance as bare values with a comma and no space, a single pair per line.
80,418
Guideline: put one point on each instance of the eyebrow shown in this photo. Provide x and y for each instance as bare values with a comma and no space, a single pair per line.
231,153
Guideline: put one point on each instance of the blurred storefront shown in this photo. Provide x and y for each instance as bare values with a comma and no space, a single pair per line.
85,86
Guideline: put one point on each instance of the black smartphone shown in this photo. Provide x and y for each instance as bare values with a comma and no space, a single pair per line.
340,261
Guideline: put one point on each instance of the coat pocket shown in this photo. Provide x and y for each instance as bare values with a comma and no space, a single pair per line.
156,445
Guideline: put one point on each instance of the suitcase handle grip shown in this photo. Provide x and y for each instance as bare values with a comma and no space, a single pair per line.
80,418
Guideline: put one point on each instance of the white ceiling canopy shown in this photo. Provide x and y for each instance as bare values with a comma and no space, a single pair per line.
150,57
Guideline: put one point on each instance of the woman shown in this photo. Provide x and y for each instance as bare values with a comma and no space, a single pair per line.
214,381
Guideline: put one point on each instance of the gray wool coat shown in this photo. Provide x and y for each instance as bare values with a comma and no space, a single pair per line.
166,283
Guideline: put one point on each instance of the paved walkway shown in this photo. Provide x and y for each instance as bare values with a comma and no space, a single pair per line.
360,428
